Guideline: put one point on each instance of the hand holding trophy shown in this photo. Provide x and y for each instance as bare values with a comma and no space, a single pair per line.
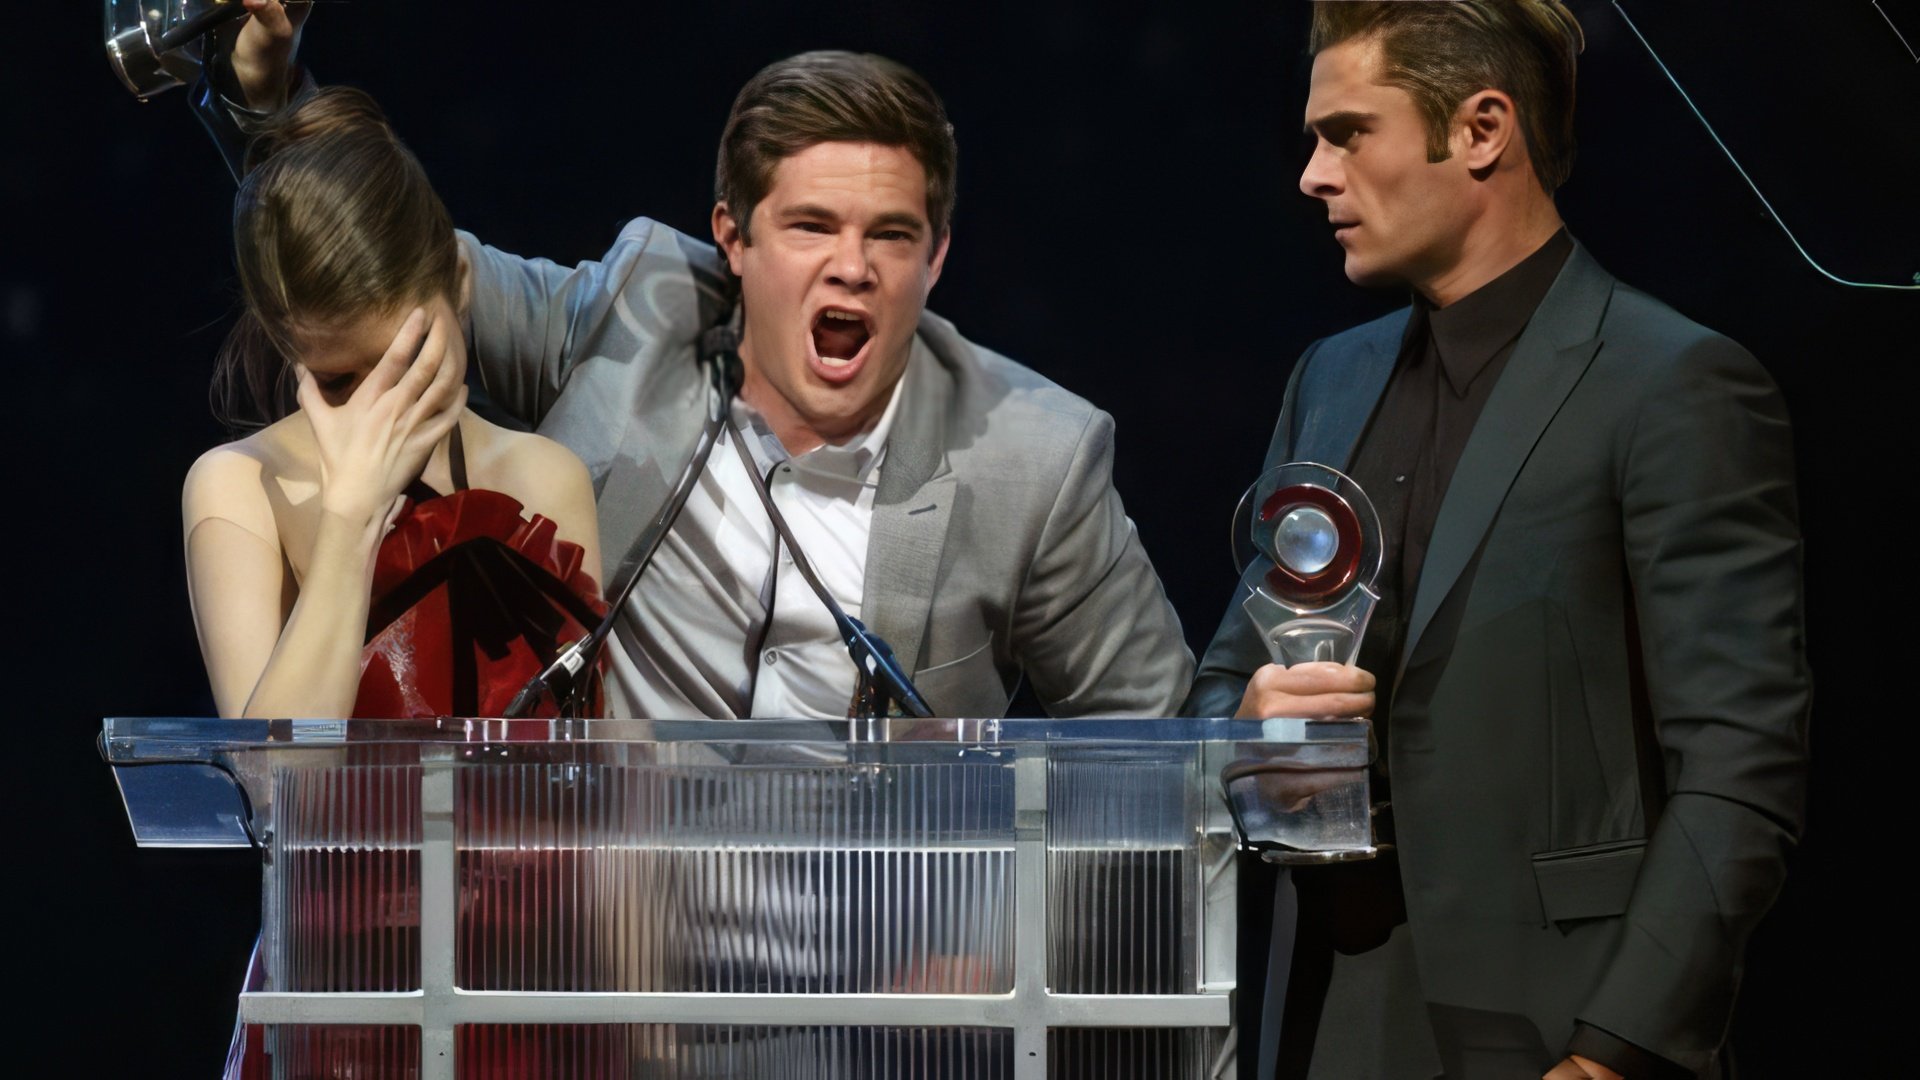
1322,543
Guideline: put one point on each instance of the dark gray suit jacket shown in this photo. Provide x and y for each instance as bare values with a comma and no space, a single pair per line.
1599,732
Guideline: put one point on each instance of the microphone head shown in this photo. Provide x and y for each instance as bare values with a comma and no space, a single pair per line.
720,345
719,339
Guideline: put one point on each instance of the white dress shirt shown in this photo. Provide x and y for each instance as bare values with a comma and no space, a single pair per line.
726,631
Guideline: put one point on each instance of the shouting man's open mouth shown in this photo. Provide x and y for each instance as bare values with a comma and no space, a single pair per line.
840,338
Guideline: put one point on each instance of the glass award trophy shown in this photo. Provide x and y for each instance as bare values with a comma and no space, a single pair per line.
1322,539
1320,533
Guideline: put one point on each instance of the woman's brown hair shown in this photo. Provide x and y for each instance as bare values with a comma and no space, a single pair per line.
335,220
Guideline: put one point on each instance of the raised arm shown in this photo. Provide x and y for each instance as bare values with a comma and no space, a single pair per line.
531,322
262,61
249,72
535,325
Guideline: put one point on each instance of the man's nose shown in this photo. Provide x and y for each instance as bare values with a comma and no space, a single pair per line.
1321,178
850,266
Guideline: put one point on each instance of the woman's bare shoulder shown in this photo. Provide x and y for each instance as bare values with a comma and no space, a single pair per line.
543,476
231,480
520,462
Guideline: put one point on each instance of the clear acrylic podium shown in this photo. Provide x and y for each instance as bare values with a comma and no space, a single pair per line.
699,900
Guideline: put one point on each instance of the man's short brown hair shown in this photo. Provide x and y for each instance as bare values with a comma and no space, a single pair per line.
1445,52
830,96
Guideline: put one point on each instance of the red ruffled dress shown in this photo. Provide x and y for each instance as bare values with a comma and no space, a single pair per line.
471,598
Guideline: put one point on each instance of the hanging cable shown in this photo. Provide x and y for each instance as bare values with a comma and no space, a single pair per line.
1775,214
1896,31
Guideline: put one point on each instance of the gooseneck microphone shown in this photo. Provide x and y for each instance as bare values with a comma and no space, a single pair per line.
883,686
562,677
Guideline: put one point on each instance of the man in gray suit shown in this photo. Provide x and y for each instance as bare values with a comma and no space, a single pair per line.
959,504
1592,693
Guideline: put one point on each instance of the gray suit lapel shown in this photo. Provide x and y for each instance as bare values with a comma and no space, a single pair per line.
910,511
654,450
1548,361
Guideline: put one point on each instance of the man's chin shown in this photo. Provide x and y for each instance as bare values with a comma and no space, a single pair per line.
1371,275
836,410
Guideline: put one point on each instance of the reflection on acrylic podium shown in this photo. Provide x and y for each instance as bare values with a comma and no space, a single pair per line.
718,900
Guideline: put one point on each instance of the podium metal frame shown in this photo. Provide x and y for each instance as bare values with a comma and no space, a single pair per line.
1029,1010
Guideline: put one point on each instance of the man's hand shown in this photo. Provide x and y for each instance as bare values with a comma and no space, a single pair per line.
1579,1068
263,51
1313,690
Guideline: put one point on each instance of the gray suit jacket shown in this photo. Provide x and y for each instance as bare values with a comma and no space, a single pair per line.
999,544
1599,732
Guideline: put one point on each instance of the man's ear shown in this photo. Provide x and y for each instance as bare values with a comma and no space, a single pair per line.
1488,125
729,236
939,259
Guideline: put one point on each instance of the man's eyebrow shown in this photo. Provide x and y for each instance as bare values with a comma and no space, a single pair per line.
1345,117
891,219
807,210
900,218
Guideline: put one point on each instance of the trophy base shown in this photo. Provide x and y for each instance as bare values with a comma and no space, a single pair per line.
1318,858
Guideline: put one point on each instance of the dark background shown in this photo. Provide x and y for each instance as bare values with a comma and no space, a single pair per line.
1128,224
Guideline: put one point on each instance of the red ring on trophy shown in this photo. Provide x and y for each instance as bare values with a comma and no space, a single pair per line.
1330,580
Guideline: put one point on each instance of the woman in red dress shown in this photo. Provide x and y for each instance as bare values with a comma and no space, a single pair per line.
375,549
380,550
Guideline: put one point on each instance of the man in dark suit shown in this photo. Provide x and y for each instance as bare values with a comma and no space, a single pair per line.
1591,692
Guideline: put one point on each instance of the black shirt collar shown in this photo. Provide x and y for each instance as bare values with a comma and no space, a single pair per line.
1474,329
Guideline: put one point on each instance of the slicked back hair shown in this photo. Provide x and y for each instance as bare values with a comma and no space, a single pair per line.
1444,51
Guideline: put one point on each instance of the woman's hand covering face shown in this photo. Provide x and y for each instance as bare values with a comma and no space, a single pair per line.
376,442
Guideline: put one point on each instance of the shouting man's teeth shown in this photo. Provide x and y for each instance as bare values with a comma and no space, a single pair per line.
838,337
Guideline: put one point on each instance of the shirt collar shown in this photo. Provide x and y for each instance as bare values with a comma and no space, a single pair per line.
854,459
1473,329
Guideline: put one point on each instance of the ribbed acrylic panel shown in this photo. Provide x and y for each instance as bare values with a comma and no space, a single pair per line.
335,1052
786,879
344,900
1122,830
715,1052
1135,1054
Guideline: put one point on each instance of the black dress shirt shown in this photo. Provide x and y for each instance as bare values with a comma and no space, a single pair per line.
1450,360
